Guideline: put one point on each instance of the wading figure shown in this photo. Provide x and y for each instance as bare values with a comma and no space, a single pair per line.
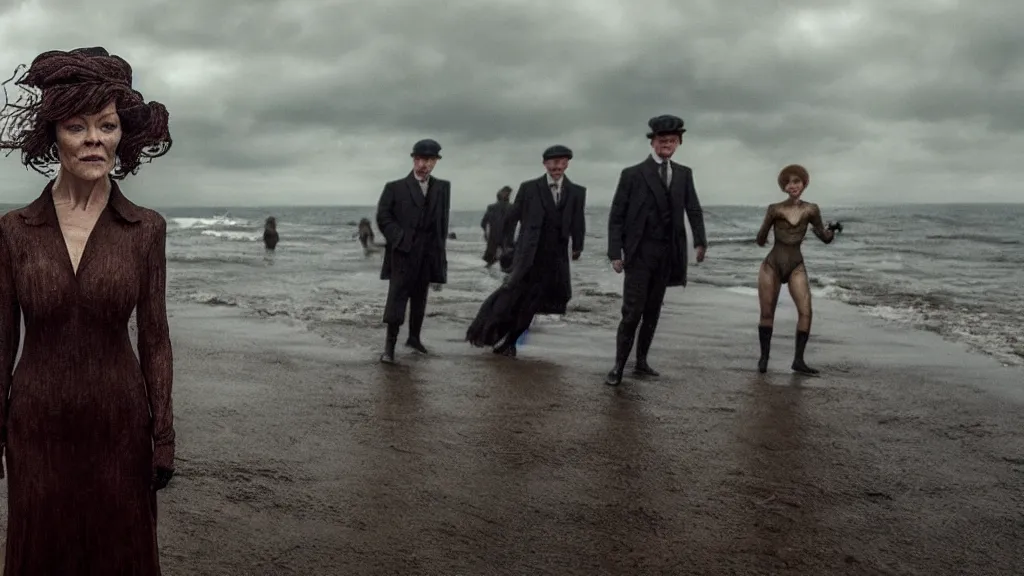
551,211
270,236
412,214
784,264
366,238
499,235
88,429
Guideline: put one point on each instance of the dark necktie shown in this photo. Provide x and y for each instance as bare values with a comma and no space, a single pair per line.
664,173
558,195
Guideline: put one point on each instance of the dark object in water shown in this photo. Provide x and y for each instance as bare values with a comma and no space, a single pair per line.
451,236
835,226
365,235
270,237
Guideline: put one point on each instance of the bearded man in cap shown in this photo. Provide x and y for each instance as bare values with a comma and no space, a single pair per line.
549,210
647,240
412,214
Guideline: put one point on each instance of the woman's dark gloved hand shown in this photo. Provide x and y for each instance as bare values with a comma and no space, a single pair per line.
161,477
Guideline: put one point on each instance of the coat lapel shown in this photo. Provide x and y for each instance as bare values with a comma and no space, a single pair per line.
546,196
568,205
414,189
677,187
432,195
655,185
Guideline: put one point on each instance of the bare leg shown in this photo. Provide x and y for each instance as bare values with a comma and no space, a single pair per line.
768,288
800,290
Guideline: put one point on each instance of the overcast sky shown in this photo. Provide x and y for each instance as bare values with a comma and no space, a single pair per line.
319,102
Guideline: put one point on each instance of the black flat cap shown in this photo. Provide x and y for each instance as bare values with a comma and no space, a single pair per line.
426,149
665,124
557,151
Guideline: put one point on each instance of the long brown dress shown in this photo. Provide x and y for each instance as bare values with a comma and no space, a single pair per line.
86,422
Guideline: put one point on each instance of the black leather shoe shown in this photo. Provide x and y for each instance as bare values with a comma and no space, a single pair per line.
614,378
388,357
509,351
416,345
642,368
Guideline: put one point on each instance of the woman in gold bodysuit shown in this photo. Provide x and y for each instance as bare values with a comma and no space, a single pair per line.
785,264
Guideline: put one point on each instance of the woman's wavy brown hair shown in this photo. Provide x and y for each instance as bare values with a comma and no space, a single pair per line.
60,85
794,170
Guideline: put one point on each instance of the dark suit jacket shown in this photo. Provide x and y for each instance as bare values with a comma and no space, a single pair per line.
399,212
536,204
640,185
532,200
574,224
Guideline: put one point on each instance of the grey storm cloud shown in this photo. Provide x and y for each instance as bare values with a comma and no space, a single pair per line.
307,101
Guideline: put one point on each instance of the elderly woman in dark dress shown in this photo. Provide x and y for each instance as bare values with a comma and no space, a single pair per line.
86,426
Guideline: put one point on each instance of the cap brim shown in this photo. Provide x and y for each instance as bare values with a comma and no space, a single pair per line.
679,132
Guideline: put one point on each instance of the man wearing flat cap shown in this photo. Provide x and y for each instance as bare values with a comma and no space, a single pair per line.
412,214
549,211
647,240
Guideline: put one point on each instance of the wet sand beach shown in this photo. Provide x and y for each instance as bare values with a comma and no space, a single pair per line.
906,456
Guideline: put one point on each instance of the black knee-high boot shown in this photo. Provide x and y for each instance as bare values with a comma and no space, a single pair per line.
764,334
798,358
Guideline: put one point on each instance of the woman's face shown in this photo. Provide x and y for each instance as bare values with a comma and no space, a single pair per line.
87,144
795,187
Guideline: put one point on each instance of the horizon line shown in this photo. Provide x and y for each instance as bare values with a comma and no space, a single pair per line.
719,205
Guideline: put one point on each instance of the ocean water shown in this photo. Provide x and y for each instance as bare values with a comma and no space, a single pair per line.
954,270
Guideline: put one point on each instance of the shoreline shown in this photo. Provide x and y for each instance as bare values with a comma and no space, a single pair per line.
296,456
739,297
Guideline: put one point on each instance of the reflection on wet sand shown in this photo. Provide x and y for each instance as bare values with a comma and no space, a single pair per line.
394,475
518,458
773,427
398,407
300,459
629,481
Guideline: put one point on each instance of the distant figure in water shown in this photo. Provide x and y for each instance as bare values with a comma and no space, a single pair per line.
452,236
365,235
270,237
498,233
785,263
